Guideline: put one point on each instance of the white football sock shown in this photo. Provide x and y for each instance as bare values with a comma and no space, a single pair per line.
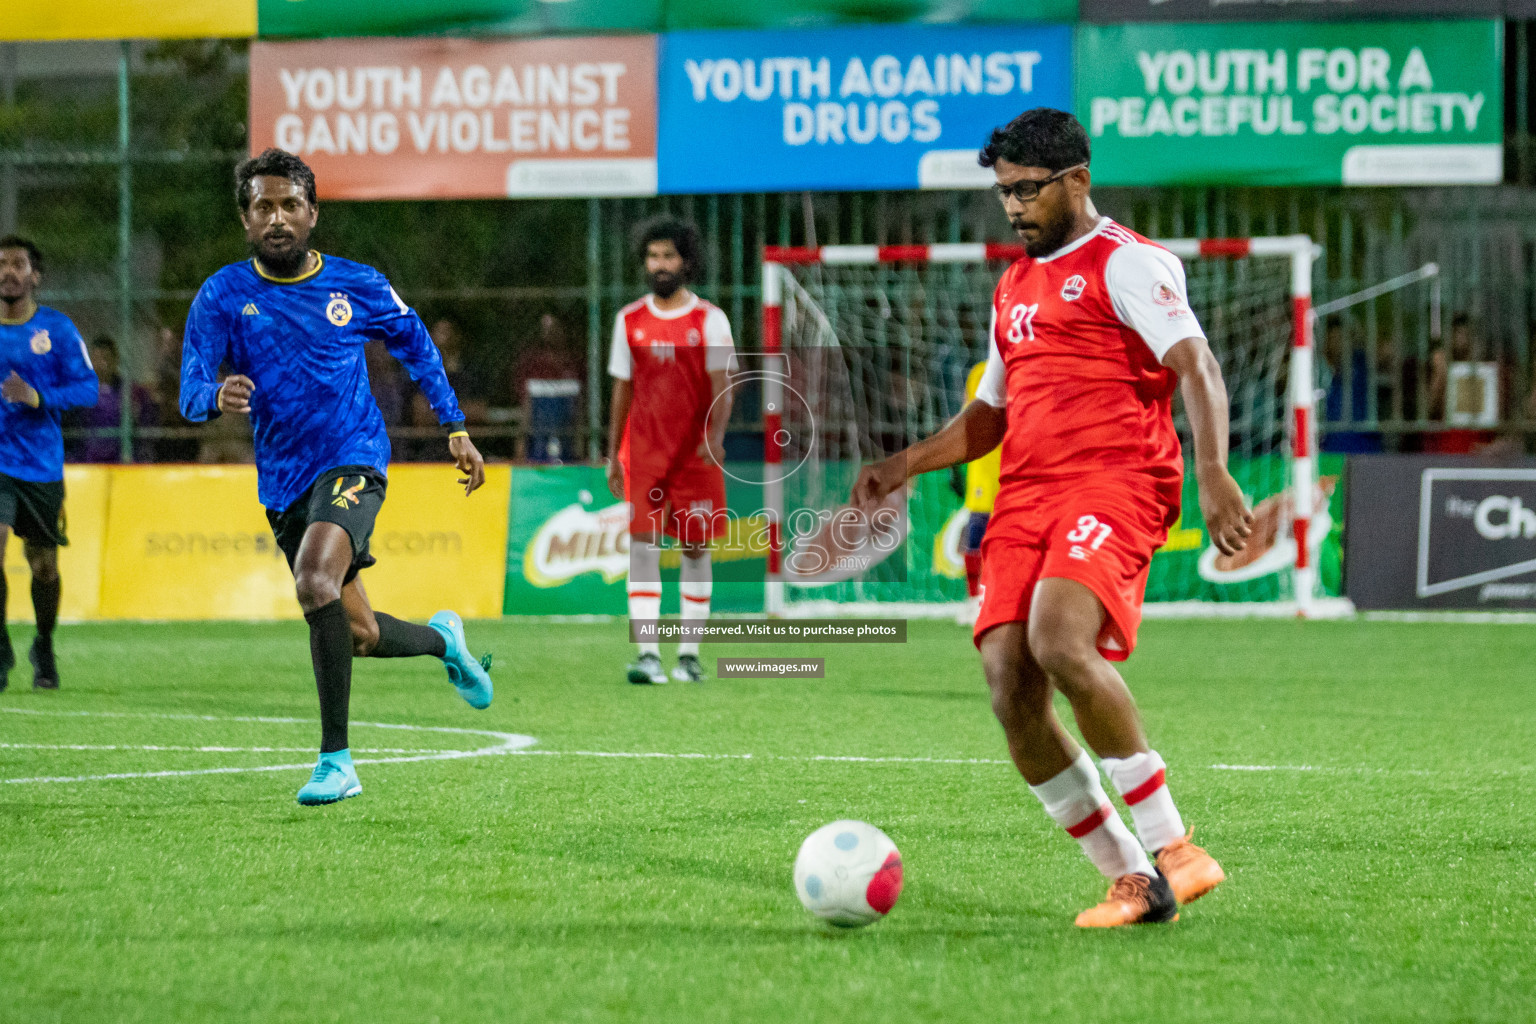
644,587
1139,781
1076,801
695,582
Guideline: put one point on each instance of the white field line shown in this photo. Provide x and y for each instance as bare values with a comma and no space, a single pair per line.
642,755
506,743
214,750
519,745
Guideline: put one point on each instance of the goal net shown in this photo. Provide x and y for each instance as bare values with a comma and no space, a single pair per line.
870,348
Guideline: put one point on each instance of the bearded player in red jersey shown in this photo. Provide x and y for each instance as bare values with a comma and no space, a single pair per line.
1091,334
671,353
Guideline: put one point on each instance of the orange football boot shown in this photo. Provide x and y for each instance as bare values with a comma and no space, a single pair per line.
1133,899
1190,870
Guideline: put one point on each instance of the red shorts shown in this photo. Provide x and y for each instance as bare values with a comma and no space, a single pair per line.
687,503
1101,535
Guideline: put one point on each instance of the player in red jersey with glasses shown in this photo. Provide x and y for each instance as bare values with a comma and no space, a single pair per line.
1091,334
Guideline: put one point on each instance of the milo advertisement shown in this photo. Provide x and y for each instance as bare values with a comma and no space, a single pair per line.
1189,568
568,545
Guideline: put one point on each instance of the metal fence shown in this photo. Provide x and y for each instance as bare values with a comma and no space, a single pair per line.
118,159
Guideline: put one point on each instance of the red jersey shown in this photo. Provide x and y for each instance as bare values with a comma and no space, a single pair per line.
668,355
1076,348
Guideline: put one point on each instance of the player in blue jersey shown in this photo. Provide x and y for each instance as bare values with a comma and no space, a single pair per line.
44,369
290,324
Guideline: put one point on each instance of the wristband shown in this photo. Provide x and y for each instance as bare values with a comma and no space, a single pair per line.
458,433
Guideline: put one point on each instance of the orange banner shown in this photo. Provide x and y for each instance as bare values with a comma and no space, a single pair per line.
462,118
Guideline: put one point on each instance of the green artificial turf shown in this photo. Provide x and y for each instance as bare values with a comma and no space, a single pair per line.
1380,868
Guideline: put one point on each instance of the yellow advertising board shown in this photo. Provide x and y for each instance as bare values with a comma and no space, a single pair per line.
438,549
192,542
126,19
85,511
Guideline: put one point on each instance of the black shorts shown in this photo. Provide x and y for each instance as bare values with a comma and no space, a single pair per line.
350,497
34,511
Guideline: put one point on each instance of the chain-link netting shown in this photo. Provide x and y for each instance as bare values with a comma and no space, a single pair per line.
877,356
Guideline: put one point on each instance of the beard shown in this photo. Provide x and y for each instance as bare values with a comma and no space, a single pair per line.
664,284
1050,232
12,291
283,257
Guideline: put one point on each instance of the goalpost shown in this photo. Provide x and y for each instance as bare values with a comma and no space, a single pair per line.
866,349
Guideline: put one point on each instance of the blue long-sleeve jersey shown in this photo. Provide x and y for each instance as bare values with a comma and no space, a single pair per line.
300,341
48,353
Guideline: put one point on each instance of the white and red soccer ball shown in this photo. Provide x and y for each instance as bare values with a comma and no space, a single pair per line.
848,873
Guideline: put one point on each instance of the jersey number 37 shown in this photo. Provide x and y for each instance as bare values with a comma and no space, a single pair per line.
1022,322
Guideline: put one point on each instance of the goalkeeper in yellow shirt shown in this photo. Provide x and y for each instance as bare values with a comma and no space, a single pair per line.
980,491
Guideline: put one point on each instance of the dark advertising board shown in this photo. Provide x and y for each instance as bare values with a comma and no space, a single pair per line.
1430,532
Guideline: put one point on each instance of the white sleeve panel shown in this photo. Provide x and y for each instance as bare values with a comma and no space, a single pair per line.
719,346
993,388
1146,287
620,365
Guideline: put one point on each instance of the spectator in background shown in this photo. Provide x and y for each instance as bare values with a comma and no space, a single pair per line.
1397,384
386,382
1346,398
470,387
1528,409
549,358
167,387
107,413
1468,386
549,431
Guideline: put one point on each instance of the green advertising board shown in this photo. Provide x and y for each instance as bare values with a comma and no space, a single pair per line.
1188,568
1293,103
568,547
568,542
298,18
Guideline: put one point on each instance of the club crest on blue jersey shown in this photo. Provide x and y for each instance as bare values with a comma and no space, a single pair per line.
41,343
338,311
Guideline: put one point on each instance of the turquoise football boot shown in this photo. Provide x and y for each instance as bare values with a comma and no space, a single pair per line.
469,676
334,779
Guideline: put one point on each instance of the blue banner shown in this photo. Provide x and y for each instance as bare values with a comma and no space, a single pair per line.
890,107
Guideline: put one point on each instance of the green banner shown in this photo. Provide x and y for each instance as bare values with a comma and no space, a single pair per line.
568,547
1294,103
277,18
1188,568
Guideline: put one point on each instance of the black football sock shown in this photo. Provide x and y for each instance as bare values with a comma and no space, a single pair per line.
401,639
45,603
330,648
7,656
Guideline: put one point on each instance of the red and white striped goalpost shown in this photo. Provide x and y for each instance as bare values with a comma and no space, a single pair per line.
1299,249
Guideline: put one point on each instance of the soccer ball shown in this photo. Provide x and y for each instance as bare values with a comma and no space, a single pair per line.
848,873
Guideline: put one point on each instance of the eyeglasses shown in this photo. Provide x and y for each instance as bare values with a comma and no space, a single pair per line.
1027,189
